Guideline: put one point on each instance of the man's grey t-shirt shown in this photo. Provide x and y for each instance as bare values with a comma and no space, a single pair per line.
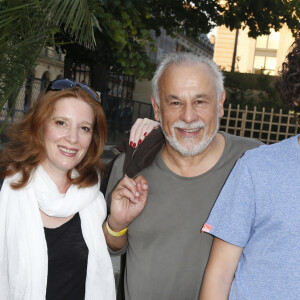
167,253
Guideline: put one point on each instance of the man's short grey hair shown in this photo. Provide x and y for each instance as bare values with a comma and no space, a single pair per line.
186,58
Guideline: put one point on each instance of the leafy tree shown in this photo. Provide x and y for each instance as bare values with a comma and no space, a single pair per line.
123,30
260,16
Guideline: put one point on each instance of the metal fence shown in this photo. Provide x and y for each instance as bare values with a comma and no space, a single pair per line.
266,126
121,114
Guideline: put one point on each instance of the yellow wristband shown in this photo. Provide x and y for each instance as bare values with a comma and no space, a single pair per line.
115,233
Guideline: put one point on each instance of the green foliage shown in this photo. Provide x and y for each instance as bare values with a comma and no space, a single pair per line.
26,26
125,26
252,90
120,44
189,17
260,16
75,17
20,44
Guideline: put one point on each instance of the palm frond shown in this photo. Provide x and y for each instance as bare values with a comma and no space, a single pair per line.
25,27
23,32
76,17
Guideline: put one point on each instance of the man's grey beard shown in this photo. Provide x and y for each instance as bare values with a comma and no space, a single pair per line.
193,149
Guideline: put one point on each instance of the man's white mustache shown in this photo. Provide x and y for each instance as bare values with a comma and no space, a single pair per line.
184,125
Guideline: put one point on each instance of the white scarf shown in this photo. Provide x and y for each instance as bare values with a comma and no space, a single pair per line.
23,248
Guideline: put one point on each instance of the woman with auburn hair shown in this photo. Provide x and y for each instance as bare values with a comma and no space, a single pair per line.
52,245
26,148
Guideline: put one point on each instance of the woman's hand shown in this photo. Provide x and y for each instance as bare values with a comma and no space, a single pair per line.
140,129
128,200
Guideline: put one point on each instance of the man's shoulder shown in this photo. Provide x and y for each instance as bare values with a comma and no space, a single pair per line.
236,146
243,143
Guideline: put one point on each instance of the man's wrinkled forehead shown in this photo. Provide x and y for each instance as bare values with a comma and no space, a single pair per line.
202,67
187,68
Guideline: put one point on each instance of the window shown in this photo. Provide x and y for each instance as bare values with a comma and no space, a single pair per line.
265,53
268,41
264,65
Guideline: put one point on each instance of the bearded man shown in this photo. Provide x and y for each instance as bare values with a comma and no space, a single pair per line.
166,252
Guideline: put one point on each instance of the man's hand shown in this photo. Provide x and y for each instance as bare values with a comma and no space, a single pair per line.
128,200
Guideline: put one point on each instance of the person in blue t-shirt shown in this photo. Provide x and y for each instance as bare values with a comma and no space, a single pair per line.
255,221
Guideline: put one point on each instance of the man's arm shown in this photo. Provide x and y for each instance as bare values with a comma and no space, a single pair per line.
127,202
223,260
115,243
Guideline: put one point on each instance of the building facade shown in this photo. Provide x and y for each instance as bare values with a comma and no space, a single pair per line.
166,44
235,50
50,66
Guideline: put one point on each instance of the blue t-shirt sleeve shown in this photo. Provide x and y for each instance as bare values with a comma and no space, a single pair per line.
232,216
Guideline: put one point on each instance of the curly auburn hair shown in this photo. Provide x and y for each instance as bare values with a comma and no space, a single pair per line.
25,149
288,85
